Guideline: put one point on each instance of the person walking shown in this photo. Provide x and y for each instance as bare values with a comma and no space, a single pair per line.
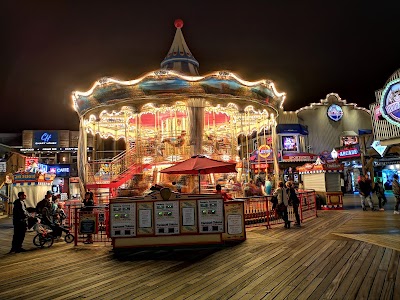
282,203
294,200
365,187
380,193
396,192
20,217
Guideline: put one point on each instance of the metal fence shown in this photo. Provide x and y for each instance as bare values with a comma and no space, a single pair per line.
94,225
259,212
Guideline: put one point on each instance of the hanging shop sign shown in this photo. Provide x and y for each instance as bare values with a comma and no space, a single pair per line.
335,112
264,151
390,102
24,177
45,138
348,153
379,148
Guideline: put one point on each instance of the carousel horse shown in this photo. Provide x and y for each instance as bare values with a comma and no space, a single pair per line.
176,141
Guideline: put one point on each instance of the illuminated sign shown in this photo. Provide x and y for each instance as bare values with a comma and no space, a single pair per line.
66,149
299,157
59,170
378,148
390,102
264,151
45,138
289,143
349,140
335,112
347,153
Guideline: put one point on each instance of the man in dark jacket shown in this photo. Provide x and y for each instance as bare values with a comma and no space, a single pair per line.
20,216
43,203
365,187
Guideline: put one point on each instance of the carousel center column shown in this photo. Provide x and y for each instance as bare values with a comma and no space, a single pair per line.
275,144
82,155
196,124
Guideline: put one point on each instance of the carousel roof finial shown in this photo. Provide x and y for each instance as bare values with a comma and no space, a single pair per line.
179,57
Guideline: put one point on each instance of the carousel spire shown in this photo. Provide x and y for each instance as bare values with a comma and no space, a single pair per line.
179,57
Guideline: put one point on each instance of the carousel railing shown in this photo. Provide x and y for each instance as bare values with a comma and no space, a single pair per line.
105,171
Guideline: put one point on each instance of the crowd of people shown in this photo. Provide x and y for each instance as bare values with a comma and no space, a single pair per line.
48,211
366,190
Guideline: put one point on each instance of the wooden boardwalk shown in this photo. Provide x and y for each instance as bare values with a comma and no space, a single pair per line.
347,254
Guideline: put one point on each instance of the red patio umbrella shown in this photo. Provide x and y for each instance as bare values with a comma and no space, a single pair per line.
200,165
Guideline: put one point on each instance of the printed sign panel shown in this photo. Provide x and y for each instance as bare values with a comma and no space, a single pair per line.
211,216
122,219
88,224
166,217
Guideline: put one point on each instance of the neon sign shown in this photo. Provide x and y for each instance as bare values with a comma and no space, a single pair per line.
46,138
264,151
390,102
335,112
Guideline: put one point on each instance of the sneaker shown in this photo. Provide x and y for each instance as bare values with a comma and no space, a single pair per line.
382,209
396,212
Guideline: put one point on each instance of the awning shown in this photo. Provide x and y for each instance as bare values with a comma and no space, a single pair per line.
364,131
292,128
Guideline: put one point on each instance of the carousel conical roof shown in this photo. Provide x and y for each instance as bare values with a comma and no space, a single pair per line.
179,57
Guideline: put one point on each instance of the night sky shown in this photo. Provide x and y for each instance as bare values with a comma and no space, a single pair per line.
308,48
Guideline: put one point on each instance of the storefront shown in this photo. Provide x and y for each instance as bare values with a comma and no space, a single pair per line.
386,129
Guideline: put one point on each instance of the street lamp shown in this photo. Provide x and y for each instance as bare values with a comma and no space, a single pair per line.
334,154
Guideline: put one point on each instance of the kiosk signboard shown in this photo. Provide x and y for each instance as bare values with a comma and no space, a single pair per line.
211,216
166,217
122,219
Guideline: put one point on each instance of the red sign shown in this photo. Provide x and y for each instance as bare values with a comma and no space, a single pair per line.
259,166
299,157
347,153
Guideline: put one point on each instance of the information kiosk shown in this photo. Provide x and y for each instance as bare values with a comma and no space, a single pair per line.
164,218
324,178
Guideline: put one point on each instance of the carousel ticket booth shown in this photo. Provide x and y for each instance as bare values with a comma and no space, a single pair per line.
324,178
165,218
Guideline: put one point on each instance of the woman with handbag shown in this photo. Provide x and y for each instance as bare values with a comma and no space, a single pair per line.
282,203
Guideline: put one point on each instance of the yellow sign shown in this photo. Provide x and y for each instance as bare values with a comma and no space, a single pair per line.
264,151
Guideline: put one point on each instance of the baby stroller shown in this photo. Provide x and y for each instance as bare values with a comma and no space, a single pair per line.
44,237
68,238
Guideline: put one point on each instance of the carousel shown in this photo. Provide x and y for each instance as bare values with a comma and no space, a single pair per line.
171,114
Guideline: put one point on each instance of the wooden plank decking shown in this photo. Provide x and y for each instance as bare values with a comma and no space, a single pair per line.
347,254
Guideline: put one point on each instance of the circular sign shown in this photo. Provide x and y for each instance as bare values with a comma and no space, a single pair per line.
390,102
335,112
264,151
